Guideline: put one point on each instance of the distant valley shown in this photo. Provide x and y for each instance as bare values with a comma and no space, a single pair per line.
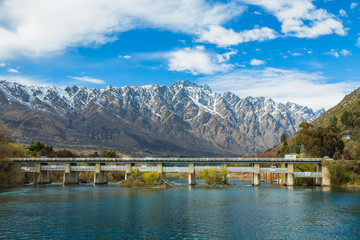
183,119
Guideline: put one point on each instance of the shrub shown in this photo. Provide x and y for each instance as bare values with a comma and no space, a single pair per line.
39,148
342,173
213,177
151,178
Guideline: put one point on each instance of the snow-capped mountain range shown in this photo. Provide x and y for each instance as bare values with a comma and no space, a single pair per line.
182,119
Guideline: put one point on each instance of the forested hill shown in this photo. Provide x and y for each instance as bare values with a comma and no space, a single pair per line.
336,133
346,117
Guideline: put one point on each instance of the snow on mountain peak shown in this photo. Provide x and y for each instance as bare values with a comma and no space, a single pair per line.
181,96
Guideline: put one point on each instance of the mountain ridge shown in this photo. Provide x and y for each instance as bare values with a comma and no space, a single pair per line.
184,118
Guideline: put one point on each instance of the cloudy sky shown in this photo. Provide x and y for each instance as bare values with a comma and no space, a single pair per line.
303,51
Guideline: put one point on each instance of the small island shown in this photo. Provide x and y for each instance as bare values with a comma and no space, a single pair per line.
215,178
144,180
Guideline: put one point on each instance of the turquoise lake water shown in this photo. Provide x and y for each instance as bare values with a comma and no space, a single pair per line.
238,212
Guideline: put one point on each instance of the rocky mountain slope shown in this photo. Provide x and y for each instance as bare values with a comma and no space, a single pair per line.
351,102
182,119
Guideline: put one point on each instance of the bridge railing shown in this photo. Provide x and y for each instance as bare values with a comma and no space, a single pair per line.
273,170
240,169
166,160
82,168
307,174
112,168
175,169
53,167
28,169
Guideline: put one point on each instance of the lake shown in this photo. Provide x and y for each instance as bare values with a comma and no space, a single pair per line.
237,212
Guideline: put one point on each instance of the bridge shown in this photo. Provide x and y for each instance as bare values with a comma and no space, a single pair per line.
42,167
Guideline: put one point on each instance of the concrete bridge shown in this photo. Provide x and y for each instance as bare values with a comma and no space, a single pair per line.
42,167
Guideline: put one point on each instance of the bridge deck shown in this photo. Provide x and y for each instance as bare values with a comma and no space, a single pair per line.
166,160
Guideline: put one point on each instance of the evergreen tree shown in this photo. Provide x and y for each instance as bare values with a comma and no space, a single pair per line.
346,119
333,122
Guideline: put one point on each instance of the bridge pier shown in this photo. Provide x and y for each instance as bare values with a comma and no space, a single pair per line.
128,170
325,179
41,176
160,171
70,177
256,175
192,179
318,180
100,177
289,177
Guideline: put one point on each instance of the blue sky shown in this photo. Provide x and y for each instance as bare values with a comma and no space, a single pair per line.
303,51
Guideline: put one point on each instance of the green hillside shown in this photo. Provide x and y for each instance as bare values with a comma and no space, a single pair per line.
345,116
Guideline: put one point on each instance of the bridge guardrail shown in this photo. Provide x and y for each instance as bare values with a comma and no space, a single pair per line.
166,160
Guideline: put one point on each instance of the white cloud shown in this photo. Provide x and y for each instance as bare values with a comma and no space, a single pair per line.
12,70
125,56
332,53
300,18
200,47
26,29
337,54
358,42
343,13
308,89
256,62
228,37
28,81
35,28
88,79
345,52
2,64
354,5
295,54
197,61
226,56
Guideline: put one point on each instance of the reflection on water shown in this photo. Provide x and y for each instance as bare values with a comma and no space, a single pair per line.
240,211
